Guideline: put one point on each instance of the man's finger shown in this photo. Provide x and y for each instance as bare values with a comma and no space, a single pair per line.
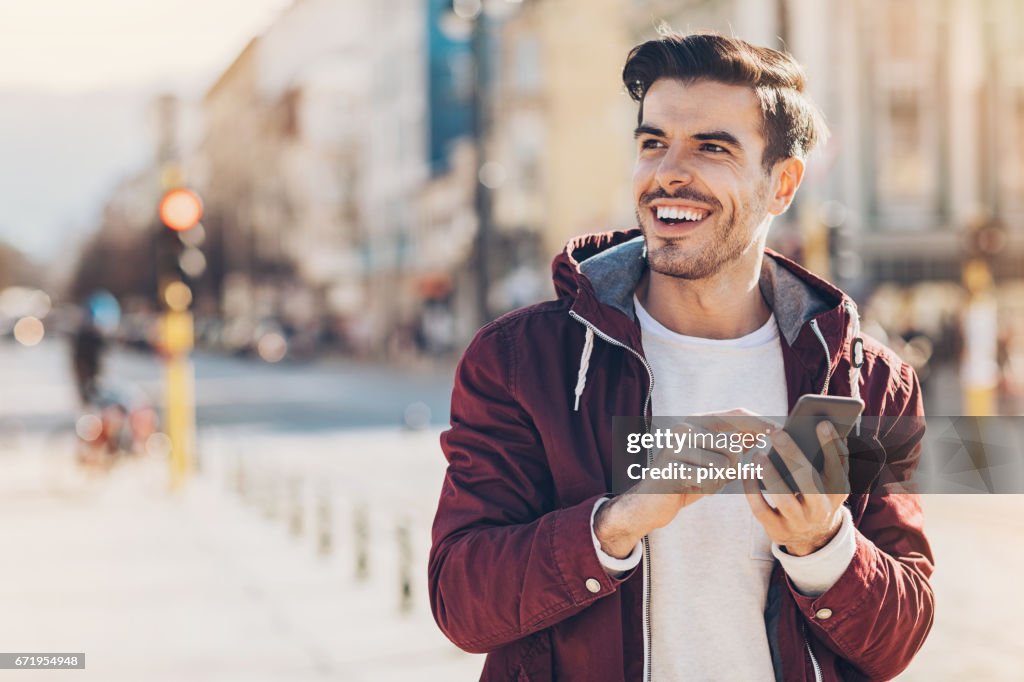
796,461
836,476
758,505
778,492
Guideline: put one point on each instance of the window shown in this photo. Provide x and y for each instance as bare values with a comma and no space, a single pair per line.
527,76
904,98
903,176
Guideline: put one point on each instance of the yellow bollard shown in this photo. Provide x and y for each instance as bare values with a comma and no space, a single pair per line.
979,369
177,335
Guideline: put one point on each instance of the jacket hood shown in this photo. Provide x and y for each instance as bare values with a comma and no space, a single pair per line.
600,272
609,266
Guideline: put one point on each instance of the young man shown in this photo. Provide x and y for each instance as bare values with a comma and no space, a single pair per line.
535,562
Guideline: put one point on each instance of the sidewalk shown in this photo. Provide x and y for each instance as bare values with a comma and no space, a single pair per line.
978,543
196,586
212,584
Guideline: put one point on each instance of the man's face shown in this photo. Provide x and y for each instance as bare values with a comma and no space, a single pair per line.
702,195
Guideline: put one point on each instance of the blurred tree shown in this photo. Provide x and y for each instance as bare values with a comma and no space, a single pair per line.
119,261
16,268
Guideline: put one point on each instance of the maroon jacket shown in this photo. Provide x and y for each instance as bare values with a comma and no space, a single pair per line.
513,563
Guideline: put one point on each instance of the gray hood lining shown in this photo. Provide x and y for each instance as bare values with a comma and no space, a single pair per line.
615,273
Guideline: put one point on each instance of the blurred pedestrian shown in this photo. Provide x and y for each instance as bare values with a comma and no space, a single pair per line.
87,346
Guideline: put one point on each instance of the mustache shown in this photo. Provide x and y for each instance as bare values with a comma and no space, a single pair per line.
685,193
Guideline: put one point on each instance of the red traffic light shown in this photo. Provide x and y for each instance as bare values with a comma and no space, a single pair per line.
181,209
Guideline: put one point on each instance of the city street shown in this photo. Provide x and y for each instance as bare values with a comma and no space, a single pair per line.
299,550
322,395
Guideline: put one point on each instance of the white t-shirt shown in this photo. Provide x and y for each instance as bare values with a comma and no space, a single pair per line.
710,567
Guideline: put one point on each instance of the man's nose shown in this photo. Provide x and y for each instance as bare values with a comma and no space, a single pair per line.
674,170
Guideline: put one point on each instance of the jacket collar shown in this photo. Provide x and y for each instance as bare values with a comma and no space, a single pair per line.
604,271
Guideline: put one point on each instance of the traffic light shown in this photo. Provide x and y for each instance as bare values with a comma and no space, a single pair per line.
181,209
179,258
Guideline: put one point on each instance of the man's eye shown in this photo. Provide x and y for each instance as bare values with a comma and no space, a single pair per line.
714,148
651,144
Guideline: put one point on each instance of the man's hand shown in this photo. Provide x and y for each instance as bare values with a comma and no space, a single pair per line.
805,521
650,504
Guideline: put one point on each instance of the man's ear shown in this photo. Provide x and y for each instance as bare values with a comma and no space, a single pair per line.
788,174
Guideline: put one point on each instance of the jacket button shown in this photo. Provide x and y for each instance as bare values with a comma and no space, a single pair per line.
823,614
593,585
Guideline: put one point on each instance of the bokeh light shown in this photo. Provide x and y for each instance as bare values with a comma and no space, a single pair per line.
158,444
178,296
29,331
181,209
192,262
89,427
272,347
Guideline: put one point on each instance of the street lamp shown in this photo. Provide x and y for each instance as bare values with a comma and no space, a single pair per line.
475,15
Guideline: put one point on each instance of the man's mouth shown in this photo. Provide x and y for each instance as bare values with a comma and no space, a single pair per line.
679,215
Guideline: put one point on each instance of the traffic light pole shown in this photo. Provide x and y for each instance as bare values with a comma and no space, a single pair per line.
180,211
176,333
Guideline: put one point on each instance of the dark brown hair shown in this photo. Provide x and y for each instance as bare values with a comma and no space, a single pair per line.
792,124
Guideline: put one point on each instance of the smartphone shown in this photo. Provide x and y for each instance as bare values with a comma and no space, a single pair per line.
802,423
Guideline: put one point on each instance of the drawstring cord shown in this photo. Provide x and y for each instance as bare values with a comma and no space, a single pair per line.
856,359
581,379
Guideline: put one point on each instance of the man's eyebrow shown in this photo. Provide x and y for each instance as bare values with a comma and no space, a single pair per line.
645,129
711,136
719,136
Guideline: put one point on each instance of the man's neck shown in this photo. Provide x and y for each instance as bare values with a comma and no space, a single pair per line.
727,305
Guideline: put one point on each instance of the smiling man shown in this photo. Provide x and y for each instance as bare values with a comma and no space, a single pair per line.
535,562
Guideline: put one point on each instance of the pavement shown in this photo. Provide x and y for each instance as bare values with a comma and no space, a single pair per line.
251,571
978,543
211,583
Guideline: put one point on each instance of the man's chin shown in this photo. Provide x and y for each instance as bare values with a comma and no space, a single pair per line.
673,260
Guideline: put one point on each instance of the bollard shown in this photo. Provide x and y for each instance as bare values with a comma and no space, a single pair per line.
242,480
361,534
405,603
325,529
295,516
270,496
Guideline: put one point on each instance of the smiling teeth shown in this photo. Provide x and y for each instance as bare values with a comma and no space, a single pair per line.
671,212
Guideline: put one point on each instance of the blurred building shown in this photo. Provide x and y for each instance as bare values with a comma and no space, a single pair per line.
561,125
316,156
357,154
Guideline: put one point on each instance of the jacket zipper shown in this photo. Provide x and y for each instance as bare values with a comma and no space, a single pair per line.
814,661
646,541
824,391
828,355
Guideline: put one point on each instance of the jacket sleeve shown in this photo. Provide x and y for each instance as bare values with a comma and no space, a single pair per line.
504,562
882,607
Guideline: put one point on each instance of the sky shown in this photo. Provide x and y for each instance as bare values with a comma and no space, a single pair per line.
74,46
76,77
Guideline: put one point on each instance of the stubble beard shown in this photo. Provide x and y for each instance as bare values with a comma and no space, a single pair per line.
730,238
